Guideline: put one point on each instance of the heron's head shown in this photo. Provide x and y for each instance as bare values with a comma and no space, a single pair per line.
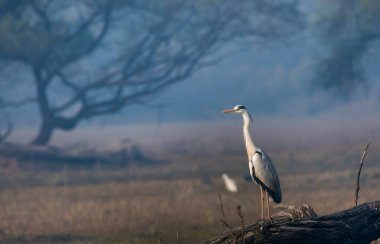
238,109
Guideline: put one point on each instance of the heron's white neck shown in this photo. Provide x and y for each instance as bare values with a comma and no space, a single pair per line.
250,146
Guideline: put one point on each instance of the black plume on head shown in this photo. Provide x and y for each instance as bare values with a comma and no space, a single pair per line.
240,107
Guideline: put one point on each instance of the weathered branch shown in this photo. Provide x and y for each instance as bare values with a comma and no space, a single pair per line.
358,176
224,219
241,216
359,224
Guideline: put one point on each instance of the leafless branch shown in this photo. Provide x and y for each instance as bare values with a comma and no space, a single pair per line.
7,132
241,216
41,14
106,15
224,218
358,175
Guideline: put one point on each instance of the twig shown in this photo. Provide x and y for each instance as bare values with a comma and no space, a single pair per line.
224,219
241,216
358,176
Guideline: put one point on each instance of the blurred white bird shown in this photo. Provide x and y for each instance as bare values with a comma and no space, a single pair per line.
229,183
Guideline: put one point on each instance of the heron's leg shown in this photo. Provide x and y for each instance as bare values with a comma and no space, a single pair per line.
268,204
262,202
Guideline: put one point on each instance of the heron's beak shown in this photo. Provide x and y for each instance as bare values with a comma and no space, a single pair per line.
227,111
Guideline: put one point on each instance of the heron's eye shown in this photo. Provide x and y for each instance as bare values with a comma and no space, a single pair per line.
239,107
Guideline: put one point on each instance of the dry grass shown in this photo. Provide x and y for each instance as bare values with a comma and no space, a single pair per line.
175,202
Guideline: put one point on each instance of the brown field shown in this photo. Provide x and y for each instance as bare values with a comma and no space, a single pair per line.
176,202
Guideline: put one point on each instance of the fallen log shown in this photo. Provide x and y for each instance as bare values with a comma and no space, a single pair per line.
360,224
50,154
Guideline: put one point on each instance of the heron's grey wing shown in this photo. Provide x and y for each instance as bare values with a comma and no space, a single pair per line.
265,174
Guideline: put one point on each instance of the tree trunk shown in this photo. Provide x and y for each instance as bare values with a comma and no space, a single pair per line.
359,224
44,134
47,126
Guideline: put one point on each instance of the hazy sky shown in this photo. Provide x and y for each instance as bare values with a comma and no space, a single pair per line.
273,80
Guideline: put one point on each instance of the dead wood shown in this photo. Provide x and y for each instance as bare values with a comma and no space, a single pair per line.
356,197
38,153
360,224
48,154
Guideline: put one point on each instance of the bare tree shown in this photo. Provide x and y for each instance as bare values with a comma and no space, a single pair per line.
91,58
349,30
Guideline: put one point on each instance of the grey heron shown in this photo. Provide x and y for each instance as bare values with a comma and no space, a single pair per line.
261,168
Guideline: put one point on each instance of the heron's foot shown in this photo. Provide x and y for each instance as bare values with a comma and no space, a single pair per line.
265,223
269,220
266,220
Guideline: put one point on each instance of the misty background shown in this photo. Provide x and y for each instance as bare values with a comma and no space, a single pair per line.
287,83
111,128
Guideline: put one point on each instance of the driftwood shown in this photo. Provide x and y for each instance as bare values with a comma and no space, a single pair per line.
360,224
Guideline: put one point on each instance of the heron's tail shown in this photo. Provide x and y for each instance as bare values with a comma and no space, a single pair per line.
277,197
